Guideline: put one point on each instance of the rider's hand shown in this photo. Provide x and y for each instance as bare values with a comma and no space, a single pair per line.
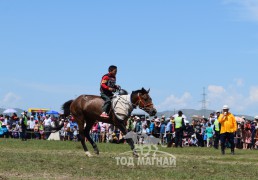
112,89
118,87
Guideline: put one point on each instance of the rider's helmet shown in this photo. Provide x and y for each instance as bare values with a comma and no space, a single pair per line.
122,92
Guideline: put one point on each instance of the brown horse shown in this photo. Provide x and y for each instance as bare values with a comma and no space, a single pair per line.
87,109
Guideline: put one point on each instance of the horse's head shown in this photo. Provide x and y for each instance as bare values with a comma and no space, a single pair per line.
142,99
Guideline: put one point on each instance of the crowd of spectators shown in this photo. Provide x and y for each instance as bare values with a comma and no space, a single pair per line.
198,133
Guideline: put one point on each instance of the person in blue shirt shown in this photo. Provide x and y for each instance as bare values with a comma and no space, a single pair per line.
138,126
162,130
152,124
72,124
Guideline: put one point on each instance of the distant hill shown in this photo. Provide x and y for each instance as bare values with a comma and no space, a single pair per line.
191,112
187,112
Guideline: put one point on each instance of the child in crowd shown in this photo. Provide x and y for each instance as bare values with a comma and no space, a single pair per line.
209,135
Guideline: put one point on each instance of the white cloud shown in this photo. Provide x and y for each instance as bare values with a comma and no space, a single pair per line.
239,82
238,101
10,100
246,9
253,94
215,91
172,102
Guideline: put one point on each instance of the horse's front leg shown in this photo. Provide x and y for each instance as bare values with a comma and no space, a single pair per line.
129,140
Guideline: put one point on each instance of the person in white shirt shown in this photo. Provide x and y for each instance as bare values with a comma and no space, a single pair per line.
102,131
31,123
47,126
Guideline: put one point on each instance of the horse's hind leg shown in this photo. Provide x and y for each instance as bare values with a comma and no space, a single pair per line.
87,135
82,136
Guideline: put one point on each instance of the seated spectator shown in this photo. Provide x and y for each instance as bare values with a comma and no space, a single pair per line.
15,130
193,141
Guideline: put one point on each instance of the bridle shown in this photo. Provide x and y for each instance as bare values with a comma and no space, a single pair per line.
145,106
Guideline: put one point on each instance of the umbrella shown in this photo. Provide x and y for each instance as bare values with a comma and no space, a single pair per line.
7,111
52,112
239,119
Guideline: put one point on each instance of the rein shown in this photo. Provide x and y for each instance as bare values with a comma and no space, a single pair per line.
140,102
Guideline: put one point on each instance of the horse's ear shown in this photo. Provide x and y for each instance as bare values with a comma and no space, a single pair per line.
148,91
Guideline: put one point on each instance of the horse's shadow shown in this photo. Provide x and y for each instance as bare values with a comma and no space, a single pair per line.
148,147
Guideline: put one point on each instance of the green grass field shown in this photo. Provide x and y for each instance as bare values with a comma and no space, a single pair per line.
35,159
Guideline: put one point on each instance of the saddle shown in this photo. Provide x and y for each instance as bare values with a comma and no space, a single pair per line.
122,106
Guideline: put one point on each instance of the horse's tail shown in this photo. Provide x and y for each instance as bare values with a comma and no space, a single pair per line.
66,108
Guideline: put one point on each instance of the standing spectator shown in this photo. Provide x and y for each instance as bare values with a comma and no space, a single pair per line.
145,132
179,123
62,134
24,122
41,130
47,126
72,123
36,129
129,125
102,131
228,128
75,133
216,129
169,131
109,130
247,131
188,131
144,121
209,134
238,137
31,124
156,130
152,124
138,126
5,130
95,131
14,118
198,133
253,132
162,130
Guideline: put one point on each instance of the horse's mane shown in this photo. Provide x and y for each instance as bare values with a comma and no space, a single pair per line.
140,91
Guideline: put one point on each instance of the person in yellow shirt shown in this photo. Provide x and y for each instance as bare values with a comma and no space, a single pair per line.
228,128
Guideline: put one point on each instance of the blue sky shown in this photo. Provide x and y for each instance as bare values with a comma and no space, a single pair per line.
52,51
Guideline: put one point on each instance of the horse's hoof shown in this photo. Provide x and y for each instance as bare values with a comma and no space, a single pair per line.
96,152
88,154
135,154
